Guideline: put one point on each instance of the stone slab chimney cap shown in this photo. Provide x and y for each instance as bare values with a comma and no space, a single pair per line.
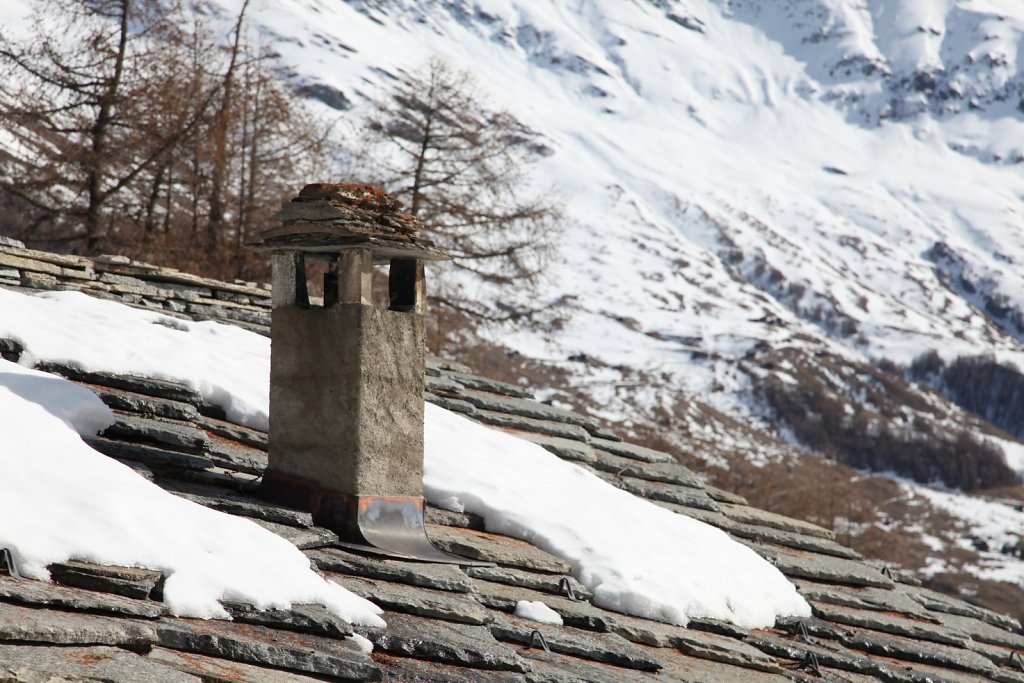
333,217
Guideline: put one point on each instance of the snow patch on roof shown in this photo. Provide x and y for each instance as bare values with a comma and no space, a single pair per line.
66,501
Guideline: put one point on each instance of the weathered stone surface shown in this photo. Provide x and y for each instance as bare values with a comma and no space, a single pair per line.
35,664
127,401
680,667
568,449
900,626
149,455
27,264
444,386
301,538
825,568
600,647
556,667
461,645
924,653
490,385
10,350
765,534
29,625
314,619
438,366
950,605
749,515
258,645
716,519
42,594
722,628
664,472
463,520
424,602
214,670
657,491
156,431
238,504
452,404
218,476
702,644
877,599
546,583
894,572
130,582
723,496
139,385
984,632
579,614
524,408
479,545
645,631
250,437
406,669
235,456
833,657
631,451
443,577
529,424
346,398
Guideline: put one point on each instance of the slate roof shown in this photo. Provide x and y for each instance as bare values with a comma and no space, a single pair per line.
445,623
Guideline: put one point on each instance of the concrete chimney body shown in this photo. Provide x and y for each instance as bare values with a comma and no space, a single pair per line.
347,377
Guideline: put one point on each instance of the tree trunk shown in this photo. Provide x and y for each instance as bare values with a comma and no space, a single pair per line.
98,163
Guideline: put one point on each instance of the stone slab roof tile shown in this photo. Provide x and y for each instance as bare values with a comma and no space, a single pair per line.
40,594
792,539
949,605
28,664
528,424
215,670
881,600
52,627
299,652
129,582
575,613
461,645
502,403
463,608
443,577
895,625
150,455
546,583
407,670
632,451
303,538
502,550
567,449
607,648
823,568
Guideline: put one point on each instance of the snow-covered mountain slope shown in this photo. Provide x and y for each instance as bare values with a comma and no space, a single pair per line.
816,173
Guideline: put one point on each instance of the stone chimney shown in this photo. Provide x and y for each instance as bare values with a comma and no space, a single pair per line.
347,377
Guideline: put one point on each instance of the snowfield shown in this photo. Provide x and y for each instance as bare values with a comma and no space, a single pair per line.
75,503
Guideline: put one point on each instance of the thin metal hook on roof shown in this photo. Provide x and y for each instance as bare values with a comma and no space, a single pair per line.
887,572
811,662
803,632
7,560
543,643
565,587
1016,657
